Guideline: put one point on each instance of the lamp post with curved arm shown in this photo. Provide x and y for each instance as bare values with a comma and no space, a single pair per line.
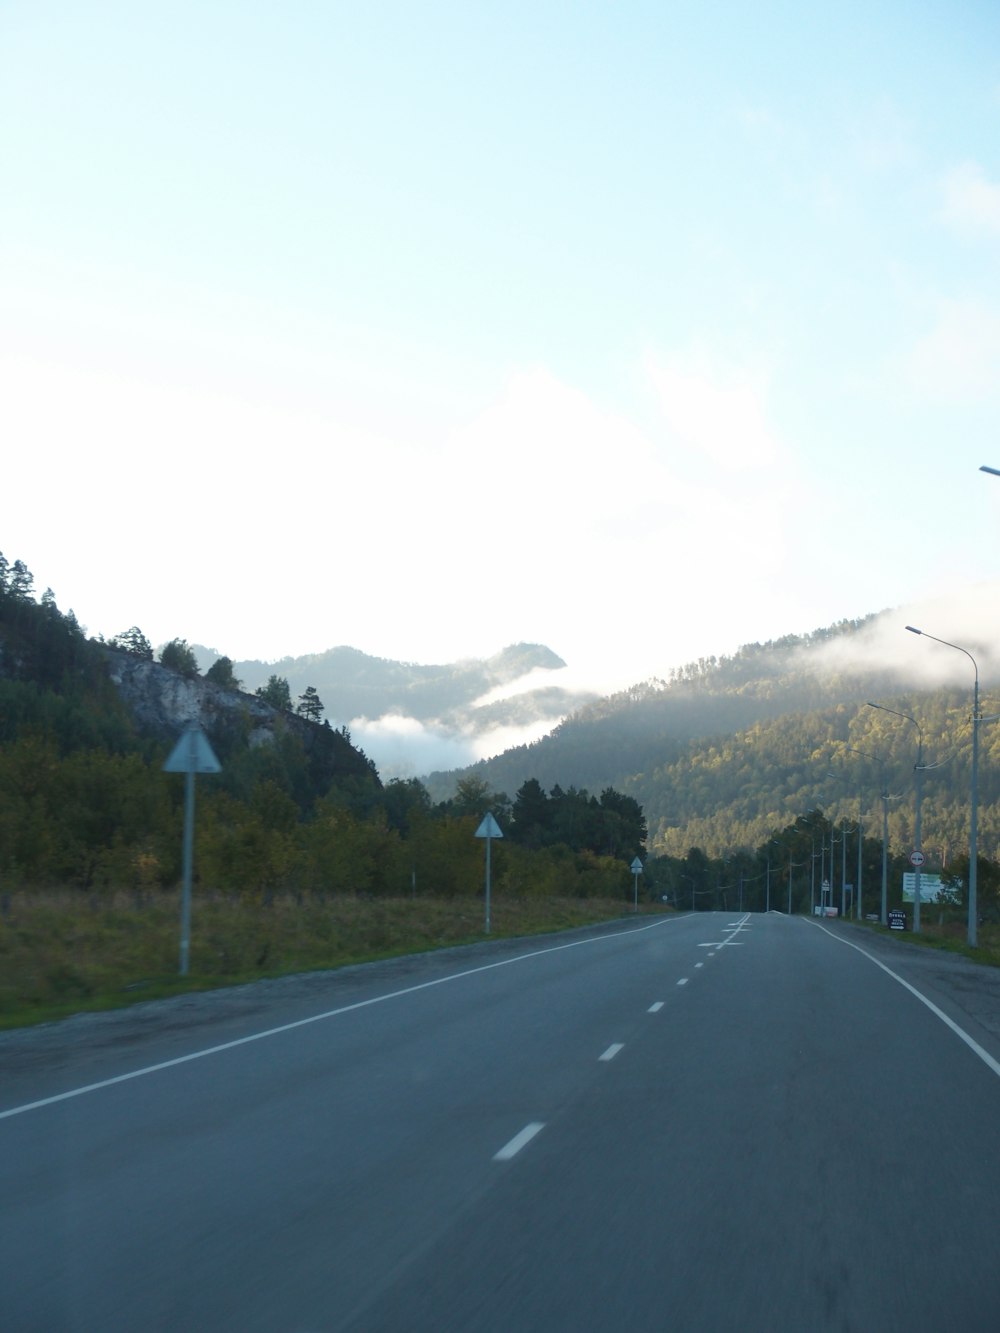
884,914
861,839
918,771
812,863
843,858
974,795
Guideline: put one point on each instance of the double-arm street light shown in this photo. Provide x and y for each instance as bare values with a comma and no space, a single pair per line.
884,914
861,840
812,862
918,772
838,777
974,796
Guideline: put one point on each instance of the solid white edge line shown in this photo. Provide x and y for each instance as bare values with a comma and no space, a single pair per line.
512,1148
316,1018
612,1050
972,1044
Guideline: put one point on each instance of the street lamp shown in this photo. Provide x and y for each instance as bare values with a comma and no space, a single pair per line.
884,917
812,864
843,855
918,782
796,865
974,801
861,839
773,842
690,880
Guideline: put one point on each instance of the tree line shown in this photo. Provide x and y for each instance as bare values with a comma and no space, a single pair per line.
84,801
785,872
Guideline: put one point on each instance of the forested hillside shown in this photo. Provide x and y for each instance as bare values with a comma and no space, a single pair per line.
728,750
450,695
85,727
708,767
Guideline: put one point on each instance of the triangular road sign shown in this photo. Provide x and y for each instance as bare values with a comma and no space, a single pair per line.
489,828
192,753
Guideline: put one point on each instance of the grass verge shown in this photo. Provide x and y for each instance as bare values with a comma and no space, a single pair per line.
950,936
63,953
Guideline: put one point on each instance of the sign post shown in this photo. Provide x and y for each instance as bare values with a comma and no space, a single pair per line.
192,754
488,829
916,861
636,869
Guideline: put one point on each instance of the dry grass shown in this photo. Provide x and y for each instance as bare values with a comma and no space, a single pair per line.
62,952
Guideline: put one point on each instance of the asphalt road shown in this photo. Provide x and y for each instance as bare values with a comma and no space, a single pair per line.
701,1123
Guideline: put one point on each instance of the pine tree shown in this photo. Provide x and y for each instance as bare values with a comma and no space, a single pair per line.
310,706
178,655
276,693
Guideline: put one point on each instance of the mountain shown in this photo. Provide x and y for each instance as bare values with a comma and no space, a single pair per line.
399,711
728,750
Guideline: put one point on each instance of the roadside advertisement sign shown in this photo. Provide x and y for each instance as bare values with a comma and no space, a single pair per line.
931,888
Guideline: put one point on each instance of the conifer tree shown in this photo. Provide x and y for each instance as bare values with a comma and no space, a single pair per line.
310,706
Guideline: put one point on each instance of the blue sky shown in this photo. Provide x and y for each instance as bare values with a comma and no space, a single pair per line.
640,330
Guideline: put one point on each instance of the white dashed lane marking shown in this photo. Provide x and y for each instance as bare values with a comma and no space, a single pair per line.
512,1148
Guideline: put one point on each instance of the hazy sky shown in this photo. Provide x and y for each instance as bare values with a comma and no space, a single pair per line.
642,330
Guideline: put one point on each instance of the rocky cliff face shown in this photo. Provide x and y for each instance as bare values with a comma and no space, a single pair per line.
164,702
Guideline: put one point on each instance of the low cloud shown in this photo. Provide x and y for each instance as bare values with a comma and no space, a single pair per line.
403,747
966,618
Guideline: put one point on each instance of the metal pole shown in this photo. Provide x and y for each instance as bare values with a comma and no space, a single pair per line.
885,850
488,841
822,869
188,859
861,838
973,926
865,754
918,848
843,867
974,816
789,883
918,771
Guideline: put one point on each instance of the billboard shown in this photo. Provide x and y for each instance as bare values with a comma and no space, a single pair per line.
931,888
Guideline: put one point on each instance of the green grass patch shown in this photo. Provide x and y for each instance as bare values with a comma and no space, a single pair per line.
64,952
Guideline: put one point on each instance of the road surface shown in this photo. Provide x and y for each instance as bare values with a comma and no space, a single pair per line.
709,1122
